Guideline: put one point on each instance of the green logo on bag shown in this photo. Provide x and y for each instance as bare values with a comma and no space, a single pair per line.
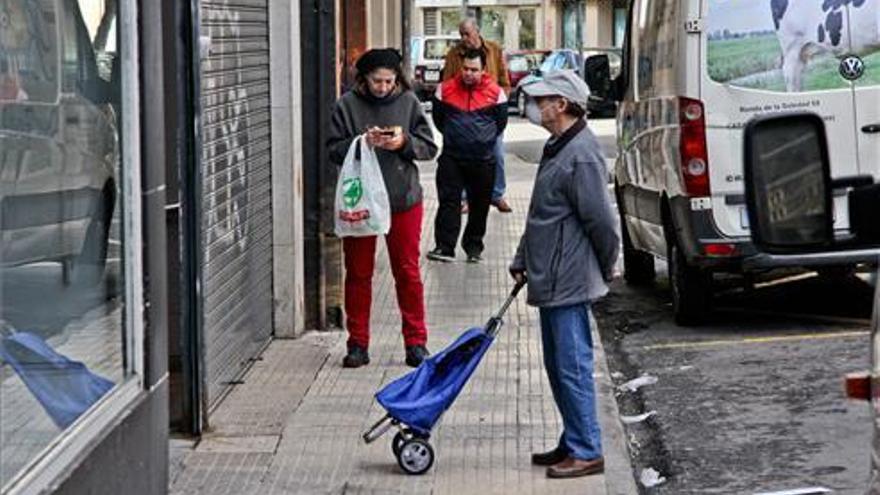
352,192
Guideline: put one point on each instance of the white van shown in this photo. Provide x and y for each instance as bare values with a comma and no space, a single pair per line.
694,72
428,55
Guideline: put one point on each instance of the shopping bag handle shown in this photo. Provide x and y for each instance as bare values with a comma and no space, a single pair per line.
494,324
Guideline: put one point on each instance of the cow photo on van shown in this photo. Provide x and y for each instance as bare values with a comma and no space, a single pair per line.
792,46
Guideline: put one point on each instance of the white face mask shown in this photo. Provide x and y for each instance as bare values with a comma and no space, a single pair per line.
533,111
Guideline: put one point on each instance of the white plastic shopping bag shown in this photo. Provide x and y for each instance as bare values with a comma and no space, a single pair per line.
362,207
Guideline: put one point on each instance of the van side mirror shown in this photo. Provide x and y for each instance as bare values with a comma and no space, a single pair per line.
789,189
788,184
597,75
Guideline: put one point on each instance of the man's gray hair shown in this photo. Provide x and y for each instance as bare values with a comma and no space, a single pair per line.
468,21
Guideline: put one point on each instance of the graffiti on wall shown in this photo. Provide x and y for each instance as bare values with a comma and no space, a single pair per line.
226,143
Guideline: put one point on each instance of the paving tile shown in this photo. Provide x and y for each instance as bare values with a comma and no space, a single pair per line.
483,442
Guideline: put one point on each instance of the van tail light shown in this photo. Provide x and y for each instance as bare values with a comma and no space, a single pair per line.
692,146
720,250
858,386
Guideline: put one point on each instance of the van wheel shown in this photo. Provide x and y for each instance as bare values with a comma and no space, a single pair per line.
638,266
87,268
691,289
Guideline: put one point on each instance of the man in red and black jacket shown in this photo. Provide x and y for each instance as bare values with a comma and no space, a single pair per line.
470,110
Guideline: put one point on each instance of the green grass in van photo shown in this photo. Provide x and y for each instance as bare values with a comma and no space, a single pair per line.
755,62
730,59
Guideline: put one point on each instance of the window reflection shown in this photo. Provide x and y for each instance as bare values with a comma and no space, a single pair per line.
61,277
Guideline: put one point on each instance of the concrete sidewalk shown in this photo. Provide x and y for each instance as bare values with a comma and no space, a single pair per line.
295,425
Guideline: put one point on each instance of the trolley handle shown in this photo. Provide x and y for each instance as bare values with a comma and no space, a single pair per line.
495,322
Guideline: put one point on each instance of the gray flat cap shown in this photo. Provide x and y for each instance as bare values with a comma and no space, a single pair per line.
564,83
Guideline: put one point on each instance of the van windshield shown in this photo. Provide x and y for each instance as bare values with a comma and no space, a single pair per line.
436,49
745,41
29,52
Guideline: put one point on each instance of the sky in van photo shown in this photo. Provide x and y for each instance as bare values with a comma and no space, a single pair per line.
744,47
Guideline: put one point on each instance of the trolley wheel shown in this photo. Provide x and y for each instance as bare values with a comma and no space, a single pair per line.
399,439
416,456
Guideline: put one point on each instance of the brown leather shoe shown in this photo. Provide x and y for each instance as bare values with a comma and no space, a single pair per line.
549,458
575,468
502,205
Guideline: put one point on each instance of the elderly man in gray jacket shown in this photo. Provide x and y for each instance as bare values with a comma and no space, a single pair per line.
568,253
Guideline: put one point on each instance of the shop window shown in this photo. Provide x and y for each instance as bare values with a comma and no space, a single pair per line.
527,36
573,24
620,15
429,22
449,21
63,286
492,24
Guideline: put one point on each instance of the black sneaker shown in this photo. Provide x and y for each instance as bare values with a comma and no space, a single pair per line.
415,354
474,258
356,357
437,255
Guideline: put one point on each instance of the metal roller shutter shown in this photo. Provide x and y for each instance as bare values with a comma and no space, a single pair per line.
236,189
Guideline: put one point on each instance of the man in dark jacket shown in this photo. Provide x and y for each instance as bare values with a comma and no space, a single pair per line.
568,253
470,111
469,31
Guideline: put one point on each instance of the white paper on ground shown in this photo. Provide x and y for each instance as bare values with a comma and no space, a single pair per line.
814,490
650,478
628,420
637,383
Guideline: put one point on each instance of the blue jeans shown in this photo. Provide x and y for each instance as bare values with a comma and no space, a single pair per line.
568,358
500,180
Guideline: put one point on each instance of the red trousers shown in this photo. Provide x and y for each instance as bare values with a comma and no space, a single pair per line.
403,242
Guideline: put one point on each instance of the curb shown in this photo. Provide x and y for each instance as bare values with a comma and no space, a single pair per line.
619,478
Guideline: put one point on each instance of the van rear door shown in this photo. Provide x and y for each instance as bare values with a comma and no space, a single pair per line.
867,98
772,56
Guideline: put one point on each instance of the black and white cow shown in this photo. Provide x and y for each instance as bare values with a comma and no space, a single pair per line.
808,27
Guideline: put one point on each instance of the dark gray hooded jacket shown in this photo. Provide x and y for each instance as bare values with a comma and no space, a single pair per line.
571,242
355,112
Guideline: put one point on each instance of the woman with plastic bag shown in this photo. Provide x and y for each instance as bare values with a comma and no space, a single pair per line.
384,112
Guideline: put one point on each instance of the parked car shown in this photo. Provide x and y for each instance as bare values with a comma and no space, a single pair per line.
601,102
564,58
521,63
58,141
685,96
428,54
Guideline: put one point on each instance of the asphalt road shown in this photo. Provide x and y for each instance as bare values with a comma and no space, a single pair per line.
752,402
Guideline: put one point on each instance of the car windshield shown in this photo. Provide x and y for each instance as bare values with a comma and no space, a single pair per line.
524,62
518,64
554,62
29,52
436,49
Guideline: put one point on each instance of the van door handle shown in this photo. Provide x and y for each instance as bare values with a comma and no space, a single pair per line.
871,128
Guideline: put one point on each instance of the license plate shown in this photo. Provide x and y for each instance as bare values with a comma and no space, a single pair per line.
432,76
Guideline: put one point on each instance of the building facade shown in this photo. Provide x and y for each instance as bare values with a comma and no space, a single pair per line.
83,379
164,212
528,24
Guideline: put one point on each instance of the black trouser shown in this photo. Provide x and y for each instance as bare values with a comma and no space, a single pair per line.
454,176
